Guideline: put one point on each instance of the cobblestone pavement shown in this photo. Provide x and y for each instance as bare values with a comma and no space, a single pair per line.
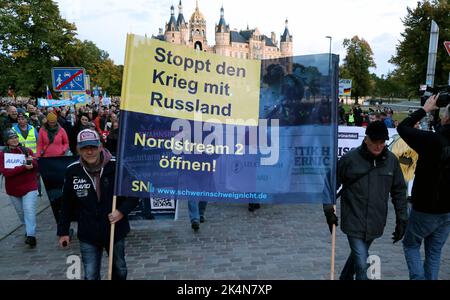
274,242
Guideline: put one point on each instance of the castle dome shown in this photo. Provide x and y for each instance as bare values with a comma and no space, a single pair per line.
197,16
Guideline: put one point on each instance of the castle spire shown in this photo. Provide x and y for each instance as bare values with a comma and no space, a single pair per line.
180,20
222,26
286,37
172,25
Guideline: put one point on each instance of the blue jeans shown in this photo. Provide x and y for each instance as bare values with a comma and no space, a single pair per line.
357,261
196,209
434,230
92,260
26,210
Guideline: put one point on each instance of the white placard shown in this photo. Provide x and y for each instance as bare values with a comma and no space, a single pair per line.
350,137
14,160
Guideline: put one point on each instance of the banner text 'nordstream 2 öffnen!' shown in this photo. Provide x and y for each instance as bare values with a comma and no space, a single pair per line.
199,126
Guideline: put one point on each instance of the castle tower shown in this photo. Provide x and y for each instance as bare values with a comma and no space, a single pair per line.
182,25
197,25
286,42
222,35
172,33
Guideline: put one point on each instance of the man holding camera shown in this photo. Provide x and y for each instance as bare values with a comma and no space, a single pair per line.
429,220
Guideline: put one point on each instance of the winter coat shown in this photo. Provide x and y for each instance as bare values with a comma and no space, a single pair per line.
79,194
364,203
19,181
57,148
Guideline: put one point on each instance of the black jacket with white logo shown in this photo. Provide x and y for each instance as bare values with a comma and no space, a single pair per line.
79,195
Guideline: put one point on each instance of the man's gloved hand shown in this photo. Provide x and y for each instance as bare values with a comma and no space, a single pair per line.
332,219
399,232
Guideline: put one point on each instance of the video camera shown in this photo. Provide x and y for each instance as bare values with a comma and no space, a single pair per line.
427,91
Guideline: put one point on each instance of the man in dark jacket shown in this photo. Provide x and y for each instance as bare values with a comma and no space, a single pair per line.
368,174
89,188
430,215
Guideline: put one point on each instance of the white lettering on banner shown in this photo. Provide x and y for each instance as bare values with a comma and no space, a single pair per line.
14,160
351,137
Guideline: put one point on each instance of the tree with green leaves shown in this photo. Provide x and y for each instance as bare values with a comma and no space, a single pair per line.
35,38
412,52
388,86
102,70
32,38
356,66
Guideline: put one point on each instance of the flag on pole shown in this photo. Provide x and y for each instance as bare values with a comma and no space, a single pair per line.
49,94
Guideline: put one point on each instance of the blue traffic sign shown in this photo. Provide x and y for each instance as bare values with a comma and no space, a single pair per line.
68,79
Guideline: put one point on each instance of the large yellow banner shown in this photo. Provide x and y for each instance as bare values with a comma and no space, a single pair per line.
178,82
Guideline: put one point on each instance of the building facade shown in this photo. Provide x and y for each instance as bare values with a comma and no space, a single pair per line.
247,44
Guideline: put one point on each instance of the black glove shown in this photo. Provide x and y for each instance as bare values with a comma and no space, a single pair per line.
332,219
399,232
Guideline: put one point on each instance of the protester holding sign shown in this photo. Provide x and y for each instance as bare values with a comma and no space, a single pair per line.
89,188
368,174
20,171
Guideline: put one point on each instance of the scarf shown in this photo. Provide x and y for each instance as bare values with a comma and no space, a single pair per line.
95,171
52,132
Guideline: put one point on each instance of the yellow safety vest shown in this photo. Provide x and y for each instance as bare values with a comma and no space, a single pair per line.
30,141
351,118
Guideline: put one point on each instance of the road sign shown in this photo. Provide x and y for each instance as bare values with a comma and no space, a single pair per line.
69,79
447,46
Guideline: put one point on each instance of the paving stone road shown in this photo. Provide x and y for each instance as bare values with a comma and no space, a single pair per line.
274,242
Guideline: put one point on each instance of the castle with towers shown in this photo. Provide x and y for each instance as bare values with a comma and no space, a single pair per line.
247,44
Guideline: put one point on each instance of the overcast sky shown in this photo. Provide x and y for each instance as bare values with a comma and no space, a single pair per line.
106,22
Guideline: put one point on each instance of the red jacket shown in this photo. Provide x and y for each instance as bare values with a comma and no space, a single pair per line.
57,148
19,181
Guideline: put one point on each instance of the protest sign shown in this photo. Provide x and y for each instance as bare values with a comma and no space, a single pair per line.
14,160
199,126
